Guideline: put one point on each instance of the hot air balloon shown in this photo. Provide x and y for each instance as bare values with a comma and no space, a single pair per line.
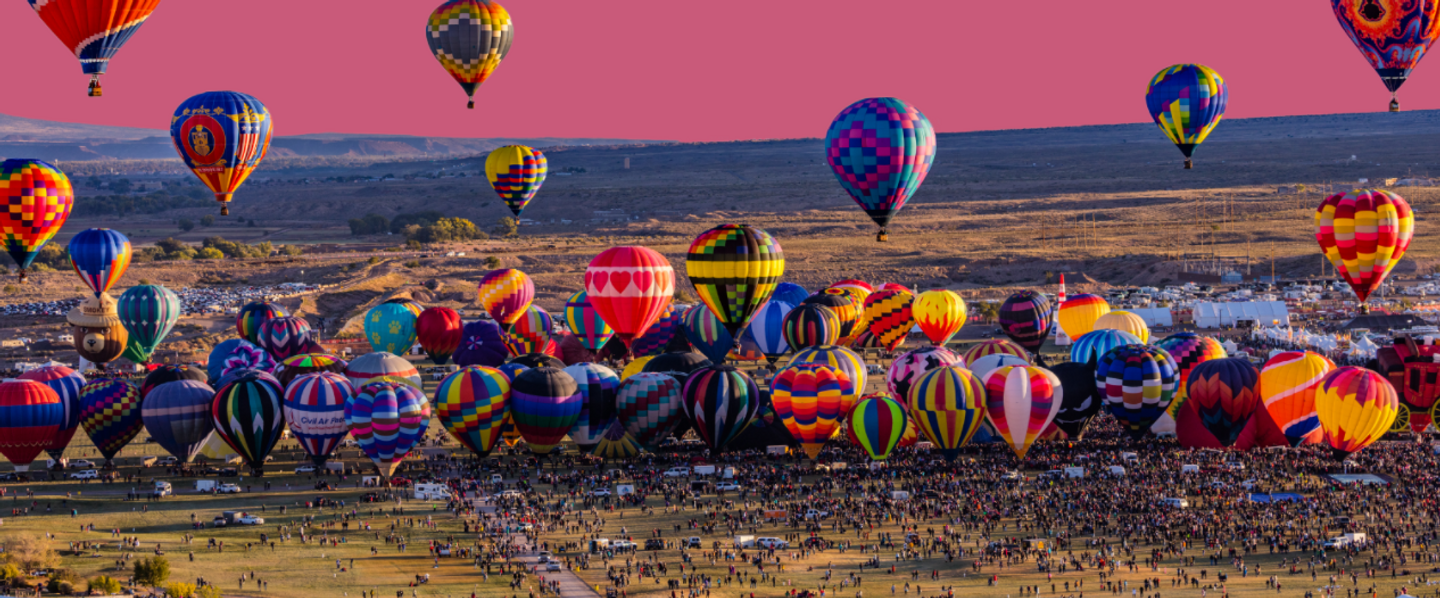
171,372
284,337
658,337
472,404
516,172
315,410
616,443
677,365
1364,234
907,368
878,423
538,360
1078,313
506,294
1393,35
890,316
1189,350
1356,407
706,334
598,385
992,347
586,323
983,366
1021,402
810,325
387,420
734,268
470,38
95,324
31,415
940,315
1026,317
100,257
1124,321
880,150
650,406
1091,346
1224,392
110,414
248,321
94,29
1081,400
842,360
530,333
1187,101
40,198
67,384
1137,383
859,287
948,406
846,311
808,399
390,327
791,293
222,136
722,401
148,312
1289,382
481,343
630,287
382,364
546,404
439,331
768,329
236,354
249,416
407,303
177,416
635,367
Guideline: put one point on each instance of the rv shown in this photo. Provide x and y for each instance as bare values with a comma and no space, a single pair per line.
163,488
432,492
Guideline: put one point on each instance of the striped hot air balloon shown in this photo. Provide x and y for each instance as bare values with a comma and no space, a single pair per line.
734,269
505,295
842,360
284,337
992,347
1077,315
315,410
1224,393
890,317
387,420
878,423
1091,346
1289,382
177,416
631,287
706,334
530,333
67,384
148,313
472,404
31,415
1364,233
598,386
1026,317
308,363
721,401
586,323
100,257
948,405
1137,383
94,30
808,398
546,404
516,173
249,415
1021,402
251,316
810,325
768,328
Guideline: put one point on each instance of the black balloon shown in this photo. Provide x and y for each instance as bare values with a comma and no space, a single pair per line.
539,360
1081,400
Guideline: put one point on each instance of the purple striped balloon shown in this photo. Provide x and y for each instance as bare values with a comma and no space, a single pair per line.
387,420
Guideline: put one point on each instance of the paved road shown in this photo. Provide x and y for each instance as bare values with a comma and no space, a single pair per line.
570,584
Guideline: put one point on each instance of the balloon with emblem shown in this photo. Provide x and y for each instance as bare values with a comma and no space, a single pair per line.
1225,393
110,414
1126,322
1081,401
1364,233
791,293
472,404
810,325
598,386
252,315
1187,101
439,331
177,416
505,295
222,136
314,408
734,269
948,405
387,420
880,150
40,198
706,333
469,38
907,368
100,257
878,423
546,404
585,322
721,401
940,315
1392,35
845,362
1137,383
481,343
31,415
846,311
660,334
1091,346
1026,317
630,287
516,173
148,313
530,333
890,316
390,327
860,288
1021,402
808,398
234,355
1077,315
992,347
768,329
1356,407
94,30
249,415
1289,382
650,406
67,384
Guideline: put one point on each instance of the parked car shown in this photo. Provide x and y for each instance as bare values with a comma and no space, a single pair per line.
727,487
677,472
228,489
82,464
772,543
88,474
248,519
218,522
600,492
305,469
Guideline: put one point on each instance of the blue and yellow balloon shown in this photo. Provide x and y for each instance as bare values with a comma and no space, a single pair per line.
1187,101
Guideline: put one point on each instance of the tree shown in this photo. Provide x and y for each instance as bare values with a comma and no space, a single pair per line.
507,227
264,248
492,262
207,220
371,224
423,219
152,571
290,250
105,585
170,245
179,589
188,225
210,253
31,551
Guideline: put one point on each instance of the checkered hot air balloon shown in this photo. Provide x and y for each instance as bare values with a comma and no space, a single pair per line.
721,401
734,268
177,416
315,410
1364,233
100,257
110,414
650,406
40,199
948,406
249,415
1021,402
472,404
67,384
1189,350
660,334
387,420
598,385
1026,317
94,30
545,402
470,38
880,150
31,415
505,295
1137,383
516,172
1186,101
877,424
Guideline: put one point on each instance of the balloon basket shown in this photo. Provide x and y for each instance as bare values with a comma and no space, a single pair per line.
1189,164
22,275
882,237
471,105
95,89
224,210
1394,105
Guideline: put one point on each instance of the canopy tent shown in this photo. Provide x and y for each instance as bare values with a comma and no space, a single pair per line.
1154,316
1384,322
1262,313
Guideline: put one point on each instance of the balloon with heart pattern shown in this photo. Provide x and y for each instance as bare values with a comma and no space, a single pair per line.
630,286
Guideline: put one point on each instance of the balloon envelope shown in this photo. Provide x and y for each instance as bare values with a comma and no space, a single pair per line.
470,38
315,410
516,173
1289,382
381,363
768,329
1126,322
880,150
472,404
67,384
31,415
889,316
506,294
948,405
597,385
546,403
721,401
706,333
1356,407
1078,313
481,343
650,406
387,420
1091,346
1021,402
100,257
94,30
1225,394
808,398
1081,400
1364,233
586,323
940,315
907,368
1137,383
251,316
249,415
177,416
40,198
734,269
1186,101
631,287
1392,35
878,423
790,293
439,331
1026,317
110,413
810,325
390,327
148,313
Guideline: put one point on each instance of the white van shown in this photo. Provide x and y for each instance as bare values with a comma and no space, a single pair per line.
1074,472
1175,503
1189,468
706,470
205,485
1116,471
432,492
1130,457
163,488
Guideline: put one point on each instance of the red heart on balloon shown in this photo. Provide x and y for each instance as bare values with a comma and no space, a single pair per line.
643,280
621,280
597,281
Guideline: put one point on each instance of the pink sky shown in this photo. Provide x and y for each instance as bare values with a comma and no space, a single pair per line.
701,71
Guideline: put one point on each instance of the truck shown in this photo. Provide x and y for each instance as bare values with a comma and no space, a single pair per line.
705,470
163,488
206,485
1346,540
432,492
746,541
727,473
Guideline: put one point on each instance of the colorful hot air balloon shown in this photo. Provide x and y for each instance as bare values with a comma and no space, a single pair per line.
387,420
721,401
177,416
248,321
878,423
31,415
537,360
890,316
40,198
284,337
407,303
1125,321
1093,345
650,406
808,399
1026,317
171,372
983,366
631,287
222,136
470,38
635,367
616,443
508,433
845,362
307,363
992,347
1189,350
1021,402
791,293
546,403
530,333
810,325
1078,313
846,310
439,331
598,385
940,315
506,294
94,29
1224,393
1393,35
768,329
382,364
148,313
1137,383
315,410
472,404
661,334
481,343
67,384
100,257
706,333
1356,407
880,150
249,416
1081,400
734,268
110,414
516,172
1289,382
907,368
390,327
948,405
1187,101
236,354
1364,233
586,323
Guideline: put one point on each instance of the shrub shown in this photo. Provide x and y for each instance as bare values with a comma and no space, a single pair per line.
187,225
290,249
373,259
104,584
152,571
210,253
63,581
179,589
31,551
412,264
207,220
492,262
421,219
207,592
10,572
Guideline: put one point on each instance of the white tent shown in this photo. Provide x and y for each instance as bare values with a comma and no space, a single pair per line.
1154,316
1263,313
1230,346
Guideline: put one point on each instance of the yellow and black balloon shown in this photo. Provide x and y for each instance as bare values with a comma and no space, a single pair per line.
470,38
516,172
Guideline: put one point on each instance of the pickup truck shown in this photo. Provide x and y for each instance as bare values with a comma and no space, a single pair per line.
248,519
88,474
815,514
